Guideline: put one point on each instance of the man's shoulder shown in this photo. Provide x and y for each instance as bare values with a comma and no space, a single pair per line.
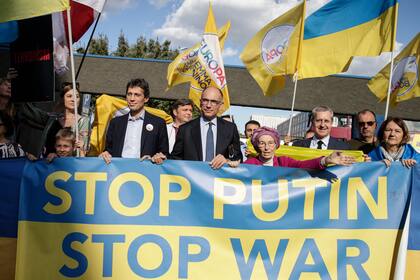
338,143
190,124
302,142
226,123
153,118
118,119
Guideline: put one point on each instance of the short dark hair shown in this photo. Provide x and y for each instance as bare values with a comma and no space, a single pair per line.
400,122
364,111
181,102
7,121
4,79
141,83
252,122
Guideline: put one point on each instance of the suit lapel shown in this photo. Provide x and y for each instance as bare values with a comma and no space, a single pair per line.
196,137
123,124
144,132
220,136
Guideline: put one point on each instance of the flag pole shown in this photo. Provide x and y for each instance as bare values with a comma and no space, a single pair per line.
394,36
73,79
293,103
87,47
296,74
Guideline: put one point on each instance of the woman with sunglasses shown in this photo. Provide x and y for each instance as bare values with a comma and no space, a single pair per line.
266,141
393,136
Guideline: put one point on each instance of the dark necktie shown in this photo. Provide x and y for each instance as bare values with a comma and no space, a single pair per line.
209,143
319,144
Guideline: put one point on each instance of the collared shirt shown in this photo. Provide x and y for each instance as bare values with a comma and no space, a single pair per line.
172,130
204,126
325,141
132,140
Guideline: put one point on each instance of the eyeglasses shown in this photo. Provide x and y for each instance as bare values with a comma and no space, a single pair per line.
368,123
268,144
212,102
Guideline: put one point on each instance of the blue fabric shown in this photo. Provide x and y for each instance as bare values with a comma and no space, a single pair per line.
409,152
8,32
339,15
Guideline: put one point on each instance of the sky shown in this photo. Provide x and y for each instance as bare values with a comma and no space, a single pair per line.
182,22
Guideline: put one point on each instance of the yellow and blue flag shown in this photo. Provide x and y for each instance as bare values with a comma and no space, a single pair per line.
405,75
345,28
21,9
202,65
267,56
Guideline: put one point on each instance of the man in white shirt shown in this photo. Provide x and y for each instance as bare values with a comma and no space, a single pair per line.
321,123
137,134
182,113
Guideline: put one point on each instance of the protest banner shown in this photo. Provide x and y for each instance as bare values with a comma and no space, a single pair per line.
80,218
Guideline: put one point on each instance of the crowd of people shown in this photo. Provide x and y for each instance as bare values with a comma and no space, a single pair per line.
207,138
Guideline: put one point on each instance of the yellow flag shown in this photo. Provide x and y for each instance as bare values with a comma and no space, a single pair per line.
267,56
301,153
21,9
202,65
405,76
108,107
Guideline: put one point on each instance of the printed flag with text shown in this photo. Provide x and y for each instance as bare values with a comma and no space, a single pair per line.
405,75
202,65
21,9
267,55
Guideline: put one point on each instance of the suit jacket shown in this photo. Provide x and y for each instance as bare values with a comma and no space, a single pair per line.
333,144
188,145
152,142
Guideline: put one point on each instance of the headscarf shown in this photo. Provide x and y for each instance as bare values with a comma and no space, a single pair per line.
264,131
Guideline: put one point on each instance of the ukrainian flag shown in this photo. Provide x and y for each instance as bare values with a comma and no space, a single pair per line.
21,9
345,28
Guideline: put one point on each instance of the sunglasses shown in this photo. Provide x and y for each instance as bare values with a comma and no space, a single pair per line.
368,123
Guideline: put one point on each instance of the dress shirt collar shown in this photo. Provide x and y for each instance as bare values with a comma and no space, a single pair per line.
139,117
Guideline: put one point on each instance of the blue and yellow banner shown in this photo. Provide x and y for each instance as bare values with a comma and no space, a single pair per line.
83,219
413,249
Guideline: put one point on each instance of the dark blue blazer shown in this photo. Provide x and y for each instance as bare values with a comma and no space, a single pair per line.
333,144
188,141
152,142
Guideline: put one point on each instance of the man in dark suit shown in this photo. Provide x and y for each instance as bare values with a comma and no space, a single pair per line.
137,134
321,123
209,138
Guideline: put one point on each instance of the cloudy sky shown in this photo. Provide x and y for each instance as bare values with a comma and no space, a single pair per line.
182,22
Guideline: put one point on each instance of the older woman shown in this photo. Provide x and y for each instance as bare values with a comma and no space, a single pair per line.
266,140
393,136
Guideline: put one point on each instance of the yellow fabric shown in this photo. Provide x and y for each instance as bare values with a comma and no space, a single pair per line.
106,107
7,258
301,153
333,53
21,9
267,56
405,81
189,67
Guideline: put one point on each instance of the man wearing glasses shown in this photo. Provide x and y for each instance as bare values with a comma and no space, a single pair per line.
209,138
367,141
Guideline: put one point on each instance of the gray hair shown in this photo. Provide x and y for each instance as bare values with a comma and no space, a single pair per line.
318,109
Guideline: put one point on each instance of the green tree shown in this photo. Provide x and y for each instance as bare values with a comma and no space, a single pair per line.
123,47
139,49
99,45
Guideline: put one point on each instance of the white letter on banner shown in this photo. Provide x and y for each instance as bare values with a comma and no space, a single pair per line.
65,197
220,198
166,195
257,201
357,186
114,194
